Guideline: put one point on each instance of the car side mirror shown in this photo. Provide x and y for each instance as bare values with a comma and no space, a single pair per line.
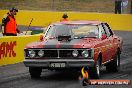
41,38
104,36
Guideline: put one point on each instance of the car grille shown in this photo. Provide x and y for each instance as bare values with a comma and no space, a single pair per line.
58,53
50,53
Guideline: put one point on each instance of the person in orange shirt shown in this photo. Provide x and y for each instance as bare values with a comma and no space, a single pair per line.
64,17
9,25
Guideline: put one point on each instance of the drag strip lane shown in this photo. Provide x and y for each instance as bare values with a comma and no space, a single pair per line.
17,76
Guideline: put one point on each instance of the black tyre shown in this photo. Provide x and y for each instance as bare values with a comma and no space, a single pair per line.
35,72
95,71
114,66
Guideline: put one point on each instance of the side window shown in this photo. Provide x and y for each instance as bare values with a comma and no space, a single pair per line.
102,30
106,30
111,33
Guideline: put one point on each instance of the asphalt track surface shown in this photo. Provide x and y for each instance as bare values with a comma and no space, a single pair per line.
17,75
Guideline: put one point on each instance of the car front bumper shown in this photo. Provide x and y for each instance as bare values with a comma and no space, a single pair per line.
68,62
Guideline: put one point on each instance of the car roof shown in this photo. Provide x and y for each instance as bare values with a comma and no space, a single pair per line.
80,22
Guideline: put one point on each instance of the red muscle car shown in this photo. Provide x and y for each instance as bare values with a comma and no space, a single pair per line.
73,45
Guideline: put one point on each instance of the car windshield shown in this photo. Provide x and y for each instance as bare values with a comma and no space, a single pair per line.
73,30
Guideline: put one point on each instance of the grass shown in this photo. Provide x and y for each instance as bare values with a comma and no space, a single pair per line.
106,6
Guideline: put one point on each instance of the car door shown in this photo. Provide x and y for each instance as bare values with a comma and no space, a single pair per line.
110,45
104,44
114,42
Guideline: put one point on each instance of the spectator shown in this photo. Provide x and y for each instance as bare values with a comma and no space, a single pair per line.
118,6
131,7
9,26
124,5
65,17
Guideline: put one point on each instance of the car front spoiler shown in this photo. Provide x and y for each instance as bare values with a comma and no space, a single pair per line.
68,62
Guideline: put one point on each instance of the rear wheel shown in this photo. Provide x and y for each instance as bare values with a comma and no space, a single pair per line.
35,72
95,71
114,66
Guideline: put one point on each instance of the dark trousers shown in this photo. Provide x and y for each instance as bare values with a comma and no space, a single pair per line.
10,34
117,7
131,8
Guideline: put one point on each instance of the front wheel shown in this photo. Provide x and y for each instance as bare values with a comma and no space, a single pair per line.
95,71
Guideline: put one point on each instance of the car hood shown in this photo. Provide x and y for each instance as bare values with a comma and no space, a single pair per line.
74,43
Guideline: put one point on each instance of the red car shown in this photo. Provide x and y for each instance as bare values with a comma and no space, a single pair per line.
73,45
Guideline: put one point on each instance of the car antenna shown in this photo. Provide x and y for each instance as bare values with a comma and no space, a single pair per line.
29,26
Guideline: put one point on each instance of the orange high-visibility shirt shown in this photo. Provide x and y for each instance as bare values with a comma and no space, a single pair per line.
11,26
63,20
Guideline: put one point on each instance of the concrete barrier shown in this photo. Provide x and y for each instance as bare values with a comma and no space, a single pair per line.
41,18
12,48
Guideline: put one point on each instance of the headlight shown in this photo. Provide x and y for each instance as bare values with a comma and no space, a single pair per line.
41,53
85,53
32,53
75,53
